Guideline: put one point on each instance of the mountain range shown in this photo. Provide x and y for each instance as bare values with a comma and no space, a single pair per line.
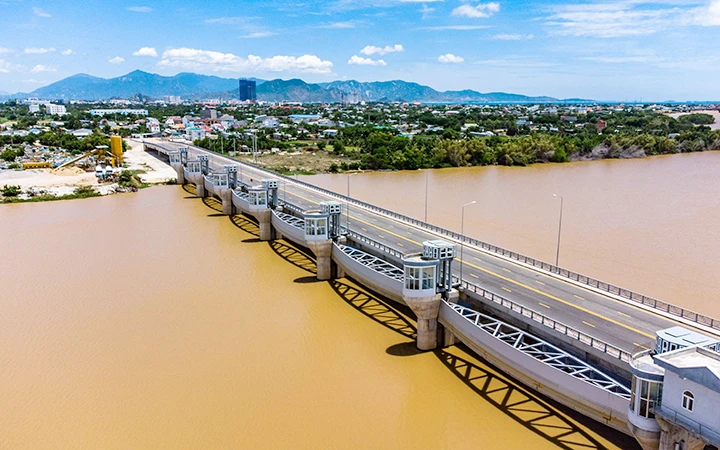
195,86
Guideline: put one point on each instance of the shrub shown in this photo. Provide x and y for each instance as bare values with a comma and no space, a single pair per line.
85,191
11,191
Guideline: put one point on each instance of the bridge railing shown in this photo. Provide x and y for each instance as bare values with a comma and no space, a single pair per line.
374,244
565,273
559,327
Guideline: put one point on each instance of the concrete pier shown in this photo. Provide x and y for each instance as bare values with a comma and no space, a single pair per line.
225,195
264,218
199,182
426,309
323,257
180,171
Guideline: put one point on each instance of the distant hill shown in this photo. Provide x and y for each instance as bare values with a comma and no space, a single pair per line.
86,87
194,86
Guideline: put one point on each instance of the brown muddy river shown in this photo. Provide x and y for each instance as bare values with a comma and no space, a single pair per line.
149,321
651,225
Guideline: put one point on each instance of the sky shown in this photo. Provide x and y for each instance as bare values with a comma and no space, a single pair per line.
618,50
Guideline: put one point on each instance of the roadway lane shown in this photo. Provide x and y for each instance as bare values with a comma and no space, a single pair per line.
614,321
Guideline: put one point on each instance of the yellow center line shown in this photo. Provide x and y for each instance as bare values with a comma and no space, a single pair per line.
557,299
543,304
565,302
588,324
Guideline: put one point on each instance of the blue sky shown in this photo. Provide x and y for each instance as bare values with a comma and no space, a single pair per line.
604,49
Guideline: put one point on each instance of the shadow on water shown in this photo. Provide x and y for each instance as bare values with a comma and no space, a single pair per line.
214,204
375,309
542,416
190,189
404,349
307,280
247,226
294,256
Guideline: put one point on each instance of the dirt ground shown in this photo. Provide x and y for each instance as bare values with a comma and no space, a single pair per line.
316,162
64,181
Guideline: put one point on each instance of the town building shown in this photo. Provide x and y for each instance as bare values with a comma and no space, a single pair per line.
55,110
124,112
247,90
208,113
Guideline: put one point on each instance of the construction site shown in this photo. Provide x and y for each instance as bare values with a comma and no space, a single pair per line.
99,169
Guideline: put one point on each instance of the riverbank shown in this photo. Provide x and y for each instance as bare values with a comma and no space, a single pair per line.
73,182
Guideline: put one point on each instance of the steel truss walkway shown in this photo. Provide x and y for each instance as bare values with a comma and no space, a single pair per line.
292,220
373,262
542,351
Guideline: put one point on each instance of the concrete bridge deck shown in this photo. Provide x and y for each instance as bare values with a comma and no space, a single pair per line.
620,323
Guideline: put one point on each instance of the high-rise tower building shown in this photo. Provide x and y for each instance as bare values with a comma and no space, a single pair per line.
247,90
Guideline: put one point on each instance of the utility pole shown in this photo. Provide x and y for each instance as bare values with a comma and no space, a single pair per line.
462,233
557,254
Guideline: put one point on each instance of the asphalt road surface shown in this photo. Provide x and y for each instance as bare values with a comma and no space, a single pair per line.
614,321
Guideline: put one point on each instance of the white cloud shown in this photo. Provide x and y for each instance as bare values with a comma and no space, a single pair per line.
116,60
140,9
39,50
67,52
455,28
426,10
339,25
258,34
7,67
41,68
146,51
709,15
372,50
612,20
481,11
360,61
6,50
39,12
207,60
449,58
513,37
233,20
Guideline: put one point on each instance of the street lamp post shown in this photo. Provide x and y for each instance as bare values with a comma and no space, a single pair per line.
557,253
347,206
462,233
426,194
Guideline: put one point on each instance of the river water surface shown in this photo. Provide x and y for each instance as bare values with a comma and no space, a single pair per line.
651,225
149,321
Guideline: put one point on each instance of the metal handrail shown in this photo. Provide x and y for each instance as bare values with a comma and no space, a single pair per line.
689,423
536,263
375,244
559,327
